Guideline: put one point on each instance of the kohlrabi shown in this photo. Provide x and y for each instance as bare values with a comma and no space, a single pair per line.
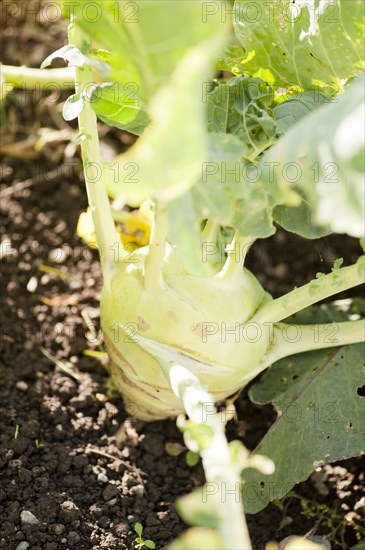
166,304
217,161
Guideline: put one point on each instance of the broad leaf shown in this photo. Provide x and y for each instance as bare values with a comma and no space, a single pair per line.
120,106
289,112
320,410
310,44
231,60
242,107
170,153
146,40
323,157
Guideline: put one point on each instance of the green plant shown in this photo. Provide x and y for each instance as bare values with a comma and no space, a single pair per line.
326,516
140,542
38,444
185,323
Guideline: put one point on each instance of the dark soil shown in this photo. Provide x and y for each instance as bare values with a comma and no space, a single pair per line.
69,453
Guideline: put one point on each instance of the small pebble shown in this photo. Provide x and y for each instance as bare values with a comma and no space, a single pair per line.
22,545
32,284
28,518
73,537
151,520
21,385
110,492
103,478
57,529
57,255
112,502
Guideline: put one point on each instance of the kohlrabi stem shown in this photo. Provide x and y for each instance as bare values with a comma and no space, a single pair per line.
220,471
311,293
152,271
291,339
210,232
237,250
30,79
106,234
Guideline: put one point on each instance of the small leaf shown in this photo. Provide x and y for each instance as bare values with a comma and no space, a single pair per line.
200,507
174,449
138,529
149,544
238,453
337,264
69,53
120,106
197,436
192,459
73,107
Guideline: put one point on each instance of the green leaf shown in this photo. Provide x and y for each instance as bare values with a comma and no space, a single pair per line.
170,153
307,44
192,459
146,41
119,105
300,220
323,157
241,107
197,538
337,264
174,449
231,60
197,436
149,544
199,508
72,107
320,412
138,529
289,112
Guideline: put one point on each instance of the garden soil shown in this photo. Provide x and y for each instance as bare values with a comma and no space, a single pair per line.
76,470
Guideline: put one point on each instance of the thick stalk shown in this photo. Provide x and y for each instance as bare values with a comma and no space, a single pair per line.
237,250
292,339
107,236
33,79
311,293
220,472
152,271
210,232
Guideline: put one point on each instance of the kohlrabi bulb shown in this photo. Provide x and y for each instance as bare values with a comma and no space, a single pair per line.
202,321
